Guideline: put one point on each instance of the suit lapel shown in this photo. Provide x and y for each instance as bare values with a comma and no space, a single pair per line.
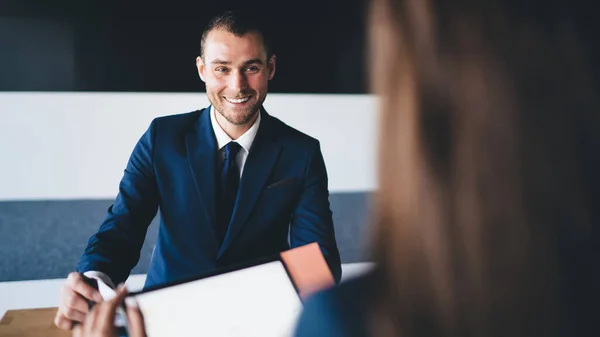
259,165
201,150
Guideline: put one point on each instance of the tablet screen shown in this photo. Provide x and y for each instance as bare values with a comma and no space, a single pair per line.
255,301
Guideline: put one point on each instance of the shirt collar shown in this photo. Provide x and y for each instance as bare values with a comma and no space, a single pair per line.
244,140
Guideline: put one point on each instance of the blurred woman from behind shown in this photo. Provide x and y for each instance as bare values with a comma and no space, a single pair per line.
488,164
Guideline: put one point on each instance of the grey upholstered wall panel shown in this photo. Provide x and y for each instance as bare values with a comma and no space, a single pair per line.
44,239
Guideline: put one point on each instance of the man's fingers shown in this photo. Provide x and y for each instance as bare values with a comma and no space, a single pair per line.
62,322
76,282
72,308
74,315
74,301
78,330
136,322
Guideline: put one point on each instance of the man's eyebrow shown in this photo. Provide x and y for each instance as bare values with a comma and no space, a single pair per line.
253,61
247,63
217,61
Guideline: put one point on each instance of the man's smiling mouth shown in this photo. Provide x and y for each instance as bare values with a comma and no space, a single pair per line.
237,100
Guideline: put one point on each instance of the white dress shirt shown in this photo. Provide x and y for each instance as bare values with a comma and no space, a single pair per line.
245,141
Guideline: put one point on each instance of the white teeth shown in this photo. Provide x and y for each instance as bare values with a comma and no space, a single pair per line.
237,100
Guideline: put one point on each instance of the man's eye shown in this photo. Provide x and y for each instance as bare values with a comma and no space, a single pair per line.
252,69
221,69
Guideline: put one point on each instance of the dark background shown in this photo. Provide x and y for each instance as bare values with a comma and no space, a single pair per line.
65,45
151,46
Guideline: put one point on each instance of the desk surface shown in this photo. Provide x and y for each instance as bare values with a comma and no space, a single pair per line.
30,323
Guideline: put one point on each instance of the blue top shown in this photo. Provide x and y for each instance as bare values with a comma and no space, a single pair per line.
340,311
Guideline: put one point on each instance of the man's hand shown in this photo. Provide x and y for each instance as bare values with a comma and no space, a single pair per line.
72,306
100,321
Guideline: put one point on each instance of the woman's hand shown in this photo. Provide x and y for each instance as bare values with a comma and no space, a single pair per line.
100,321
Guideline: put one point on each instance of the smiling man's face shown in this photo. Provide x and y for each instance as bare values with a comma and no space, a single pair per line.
236,72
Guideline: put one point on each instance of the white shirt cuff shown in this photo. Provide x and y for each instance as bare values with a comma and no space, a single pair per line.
105,284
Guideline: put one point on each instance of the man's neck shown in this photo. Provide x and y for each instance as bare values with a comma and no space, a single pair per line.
232,130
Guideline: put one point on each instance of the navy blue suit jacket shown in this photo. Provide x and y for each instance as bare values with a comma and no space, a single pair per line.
283,191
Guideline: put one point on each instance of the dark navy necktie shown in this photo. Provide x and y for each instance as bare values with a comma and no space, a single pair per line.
229,181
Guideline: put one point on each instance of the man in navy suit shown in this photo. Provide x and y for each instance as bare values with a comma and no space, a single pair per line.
233,184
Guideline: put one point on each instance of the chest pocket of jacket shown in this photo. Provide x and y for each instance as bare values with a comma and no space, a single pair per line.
277,198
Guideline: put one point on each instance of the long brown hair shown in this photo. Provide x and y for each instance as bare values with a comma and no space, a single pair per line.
480,104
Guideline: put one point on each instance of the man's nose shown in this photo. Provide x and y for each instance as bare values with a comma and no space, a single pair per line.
237,81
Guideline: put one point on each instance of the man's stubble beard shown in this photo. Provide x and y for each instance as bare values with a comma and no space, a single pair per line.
246,117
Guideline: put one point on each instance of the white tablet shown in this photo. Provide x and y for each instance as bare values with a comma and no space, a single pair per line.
260,300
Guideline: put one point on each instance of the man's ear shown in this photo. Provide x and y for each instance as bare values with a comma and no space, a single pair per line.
201,68
271,66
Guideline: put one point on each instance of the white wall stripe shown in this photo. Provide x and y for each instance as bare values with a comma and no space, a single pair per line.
75,145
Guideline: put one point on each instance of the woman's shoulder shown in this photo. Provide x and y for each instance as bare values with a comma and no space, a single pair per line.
339,311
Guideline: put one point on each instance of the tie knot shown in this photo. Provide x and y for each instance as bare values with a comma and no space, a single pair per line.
232,149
